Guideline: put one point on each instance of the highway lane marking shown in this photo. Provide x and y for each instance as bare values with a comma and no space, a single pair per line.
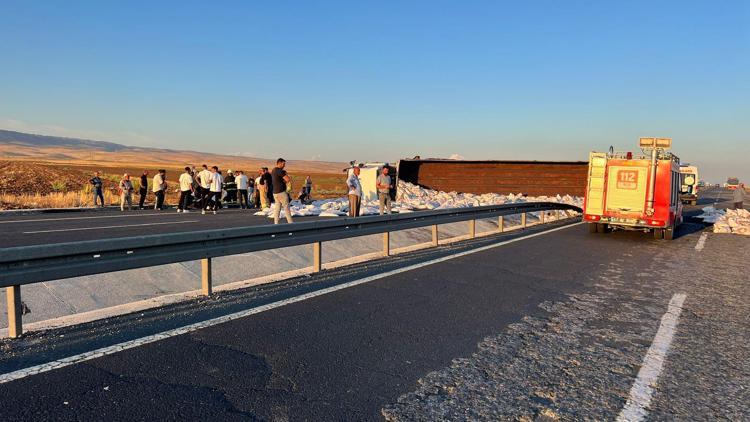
111,227
701,242
653,364
39,220
82,357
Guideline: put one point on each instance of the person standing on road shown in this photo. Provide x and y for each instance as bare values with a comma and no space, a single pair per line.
258,194
126,192
215,189
143,189
186,189
383,183
96,182
243,184
267,179
204,179
282,184
260,187
738,197
355,192
250,190
159,188
230,186
307,189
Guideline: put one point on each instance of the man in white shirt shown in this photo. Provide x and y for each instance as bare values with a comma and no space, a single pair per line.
355,192
186,189
159,188
243,184
215,188
204,179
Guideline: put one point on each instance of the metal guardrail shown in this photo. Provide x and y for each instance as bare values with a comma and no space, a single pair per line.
33,264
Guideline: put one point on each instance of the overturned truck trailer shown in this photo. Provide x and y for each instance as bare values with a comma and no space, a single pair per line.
534,178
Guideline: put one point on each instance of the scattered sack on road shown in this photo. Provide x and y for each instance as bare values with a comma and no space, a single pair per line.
727,221
412,197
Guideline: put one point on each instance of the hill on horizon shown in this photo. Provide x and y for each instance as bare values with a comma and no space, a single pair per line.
56,149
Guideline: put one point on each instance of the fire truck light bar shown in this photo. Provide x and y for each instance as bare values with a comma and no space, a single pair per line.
663,143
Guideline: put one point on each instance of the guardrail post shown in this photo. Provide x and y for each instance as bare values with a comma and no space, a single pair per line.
500,224
317,256
523,220
542,216
15,324
206,280
557,215
472,229
435,235
386,244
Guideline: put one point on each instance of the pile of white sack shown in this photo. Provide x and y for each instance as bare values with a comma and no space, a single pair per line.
412,197
727,221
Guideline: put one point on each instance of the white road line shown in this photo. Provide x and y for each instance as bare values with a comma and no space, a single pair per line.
701,242
45,367
653,364
111,227
165,213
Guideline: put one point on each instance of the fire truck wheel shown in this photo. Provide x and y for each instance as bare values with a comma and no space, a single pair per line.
658,233
603,228
593,228
669,233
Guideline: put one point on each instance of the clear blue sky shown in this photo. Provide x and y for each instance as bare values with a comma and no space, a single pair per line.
380,80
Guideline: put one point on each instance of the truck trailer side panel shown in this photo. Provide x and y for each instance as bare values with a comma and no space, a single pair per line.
534,178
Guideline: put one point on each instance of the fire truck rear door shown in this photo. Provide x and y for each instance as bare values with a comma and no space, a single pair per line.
626,188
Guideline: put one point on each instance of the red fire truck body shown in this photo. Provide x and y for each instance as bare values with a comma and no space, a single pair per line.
641,193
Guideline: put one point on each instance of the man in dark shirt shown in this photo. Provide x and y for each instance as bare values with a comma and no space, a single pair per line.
281,181
230,185
267,180
143,190
96,182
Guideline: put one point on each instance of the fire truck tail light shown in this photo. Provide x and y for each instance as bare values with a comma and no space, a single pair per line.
591,217
655,222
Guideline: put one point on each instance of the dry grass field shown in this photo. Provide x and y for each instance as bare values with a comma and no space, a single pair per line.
38,171
28,184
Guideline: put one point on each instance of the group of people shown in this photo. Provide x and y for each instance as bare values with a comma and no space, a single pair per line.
204,190
383,184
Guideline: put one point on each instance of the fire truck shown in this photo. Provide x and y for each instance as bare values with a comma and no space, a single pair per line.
630,192
689,184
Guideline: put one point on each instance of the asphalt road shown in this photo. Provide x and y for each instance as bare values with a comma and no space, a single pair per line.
32,229
352,353
336,357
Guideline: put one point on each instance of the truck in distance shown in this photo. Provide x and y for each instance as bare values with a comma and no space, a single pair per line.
689,184
629,192
732,183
